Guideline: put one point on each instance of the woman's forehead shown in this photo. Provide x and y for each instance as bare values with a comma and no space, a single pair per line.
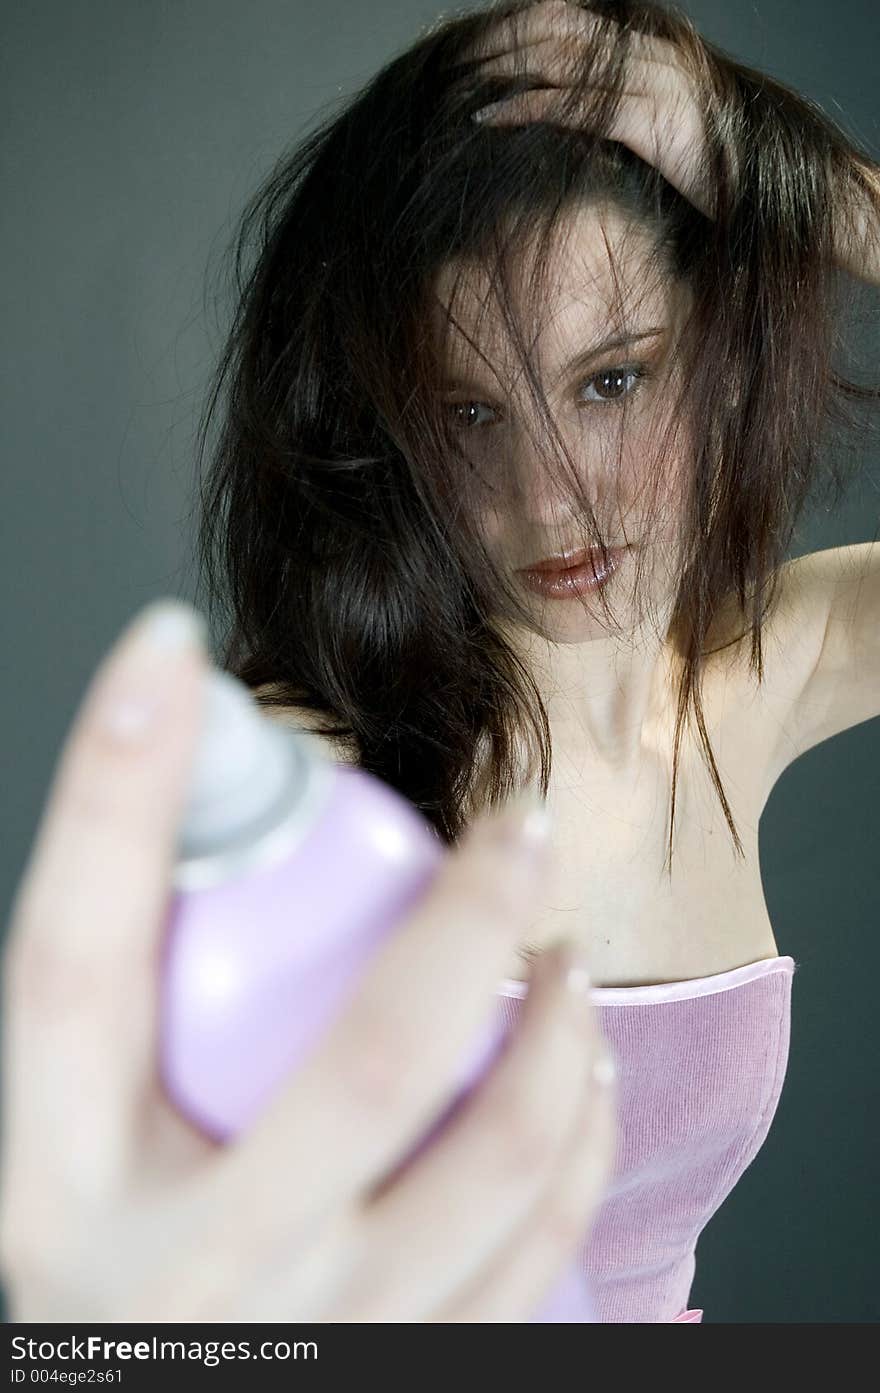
603,276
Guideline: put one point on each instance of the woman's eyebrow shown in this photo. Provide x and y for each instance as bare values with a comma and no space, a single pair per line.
616,341
575,364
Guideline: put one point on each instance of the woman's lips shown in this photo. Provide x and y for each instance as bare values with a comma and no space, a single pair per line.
585,572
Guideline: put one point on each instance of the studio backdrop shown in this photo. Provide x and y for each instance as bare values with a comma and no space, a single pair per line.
131,136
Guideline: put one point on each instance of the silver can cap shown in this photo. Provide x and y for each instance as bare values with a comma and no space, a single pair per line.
246,772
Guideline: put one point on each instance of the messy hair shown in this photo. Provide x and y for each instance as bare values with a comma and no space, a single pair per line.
340,506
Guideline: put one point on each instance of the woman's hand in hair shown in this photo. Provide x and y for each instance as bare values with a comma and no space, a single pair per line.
659,117
114,1208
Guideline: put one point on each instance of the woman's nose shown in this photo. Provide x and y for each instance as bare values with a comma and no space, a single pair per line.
547,482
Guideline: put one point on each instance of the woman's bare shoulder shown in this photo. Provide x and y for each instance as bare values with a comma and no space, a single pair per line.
297,718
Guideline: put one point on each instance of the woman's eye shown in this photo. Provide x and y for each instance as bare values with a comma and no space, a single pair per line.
610,386
614,384
464,413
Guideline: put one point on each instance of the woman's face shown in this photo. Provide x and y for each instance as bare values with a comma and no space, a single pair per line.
602,350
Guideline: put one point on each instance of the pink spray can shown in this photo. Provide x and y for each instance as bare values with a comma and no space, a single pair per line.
290,871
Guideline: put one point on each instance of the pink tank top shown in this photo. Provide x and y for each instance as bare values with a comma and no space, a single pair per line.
700,1069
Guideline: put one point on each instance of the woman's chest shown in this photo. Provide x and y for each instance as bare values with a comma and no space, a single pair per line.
609,888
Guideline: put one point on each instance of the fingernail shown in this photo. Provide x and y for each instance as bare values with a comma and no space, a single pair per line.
169,626
486,111
604,1070
578,979
525,823
135,699
574,965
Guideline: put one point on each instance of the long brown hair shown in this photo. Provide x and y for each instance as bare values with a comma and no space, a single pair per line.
338,507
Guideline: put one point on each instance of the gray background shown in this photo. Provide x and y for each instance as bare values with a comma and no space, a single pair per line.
131,134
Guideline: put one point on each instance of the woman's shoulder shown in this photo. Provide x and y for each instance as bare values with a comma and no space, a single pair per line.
305,721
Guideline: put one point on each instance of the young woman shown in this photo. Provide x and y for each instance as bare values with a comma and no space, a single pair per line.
522,413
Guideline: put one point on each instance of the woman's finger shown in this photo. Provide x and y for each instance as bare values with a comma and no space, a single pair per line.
524,1275
554,64
453,1208
392,1061
540,104
552,19
81,952
548,62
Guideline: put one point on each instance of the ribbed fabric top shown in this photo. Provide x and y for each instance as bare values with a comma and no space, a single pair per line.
700,1069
